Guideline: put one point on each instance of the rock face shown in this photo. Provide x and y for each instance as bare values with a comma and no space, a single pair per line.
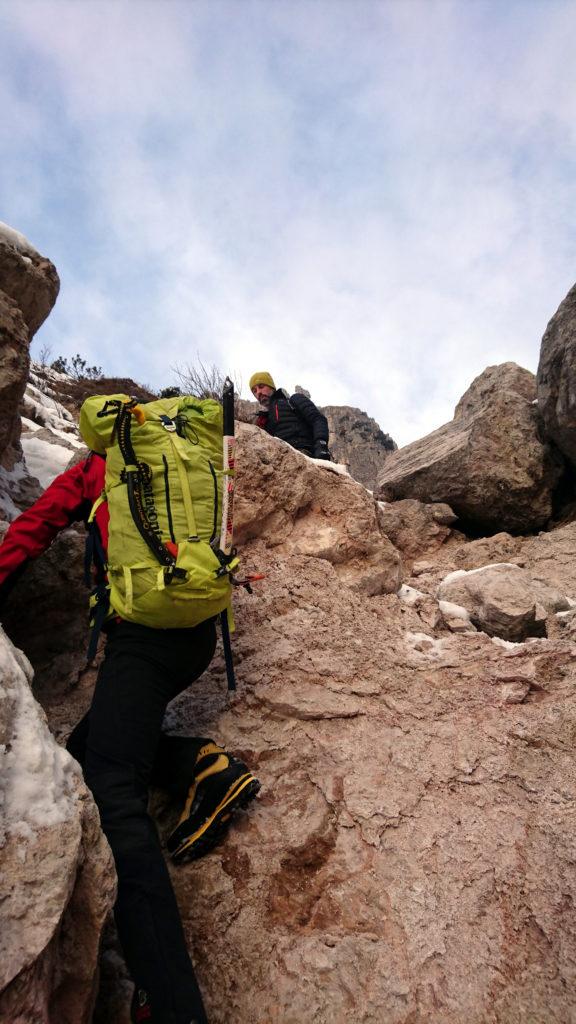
28,289
58,879
489,463
503,600
417,801
357,441
557,377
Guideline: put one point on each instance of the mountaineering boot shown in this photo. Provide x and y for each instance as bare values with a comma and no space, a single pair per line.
221,785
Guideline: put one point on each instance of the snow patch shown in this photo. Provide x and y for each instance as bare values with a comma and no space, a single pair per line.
29,424
454,611
44,459
459,573
426,645
409,595
508,645
334,467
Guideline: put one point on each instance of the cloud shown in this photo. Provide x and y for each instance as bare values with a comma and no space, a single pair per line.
374,201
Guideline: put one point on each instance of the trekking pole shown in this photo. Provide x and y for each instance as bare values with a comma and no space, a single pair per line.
227,531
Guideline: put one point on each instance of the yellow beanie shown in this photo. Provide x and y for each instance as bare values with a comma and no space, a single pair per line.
261,378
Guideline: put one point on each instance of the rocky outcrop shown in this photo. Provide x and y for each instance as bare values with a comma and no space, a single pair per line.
58,878
557,377
502,600
302,507
490,463
357,441
28,289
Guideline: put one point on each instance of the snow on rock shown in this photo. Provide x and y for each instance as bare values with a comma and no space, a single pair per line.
37,777
460,573
42,408
409,595
423,644
454,614
504,600
17,240
44,459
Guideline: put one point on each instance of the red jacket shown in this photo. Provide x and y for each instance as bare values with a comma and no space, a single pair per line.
67,500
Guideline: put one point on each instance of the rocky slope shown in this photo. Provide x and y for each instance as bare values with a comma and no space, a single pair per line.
410,857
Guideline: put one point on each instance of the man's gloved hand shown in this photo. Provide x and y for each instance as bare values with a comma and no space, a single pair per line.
321,450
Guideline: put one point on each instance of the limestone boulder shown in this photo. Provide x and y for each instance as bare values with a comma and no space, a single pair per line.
28,289
58,880
490,463
298,505
556,377
503,600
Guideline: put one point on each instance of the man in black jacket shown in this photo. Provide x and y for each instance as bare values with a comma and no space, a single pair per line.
293,419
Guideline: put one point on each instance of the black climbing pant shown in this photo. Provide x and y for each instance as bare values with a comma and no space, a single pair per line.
122,750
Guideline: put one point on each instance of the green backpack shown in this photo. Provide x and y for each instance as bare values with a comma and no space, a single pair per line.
164,481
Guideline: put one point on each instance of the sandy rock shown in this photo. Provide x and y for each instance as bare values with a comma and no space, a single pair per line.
556,377
28,289
413,527
299,507
503,600
489,463
57,872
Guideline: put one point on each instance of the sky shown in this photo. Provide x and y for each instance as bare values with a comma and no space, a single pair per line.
372,200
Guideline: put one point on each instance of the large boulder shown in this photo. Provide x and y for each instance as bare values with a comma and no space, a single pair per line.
58,880
299,506
503,600
556,377
28,289
490,463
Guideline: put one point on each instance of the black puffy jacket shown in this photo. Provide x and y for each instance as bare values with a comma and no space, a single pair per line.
295,420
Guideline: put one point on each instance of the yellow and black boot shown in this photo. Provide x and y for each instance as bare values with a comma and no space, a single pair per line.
222,784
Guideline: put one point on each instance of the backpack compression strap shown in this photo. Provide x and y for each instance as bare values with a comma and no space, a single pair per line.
135,473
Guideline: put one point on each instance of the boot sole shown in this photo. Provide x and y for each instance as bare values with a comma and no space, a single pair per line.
215,827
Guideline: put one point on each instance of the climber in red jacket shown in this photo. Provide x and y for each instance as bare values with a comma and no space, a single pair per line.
122,750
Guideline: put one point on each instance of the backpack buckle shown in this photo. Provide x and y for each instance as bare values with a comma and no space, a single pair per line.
167,423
